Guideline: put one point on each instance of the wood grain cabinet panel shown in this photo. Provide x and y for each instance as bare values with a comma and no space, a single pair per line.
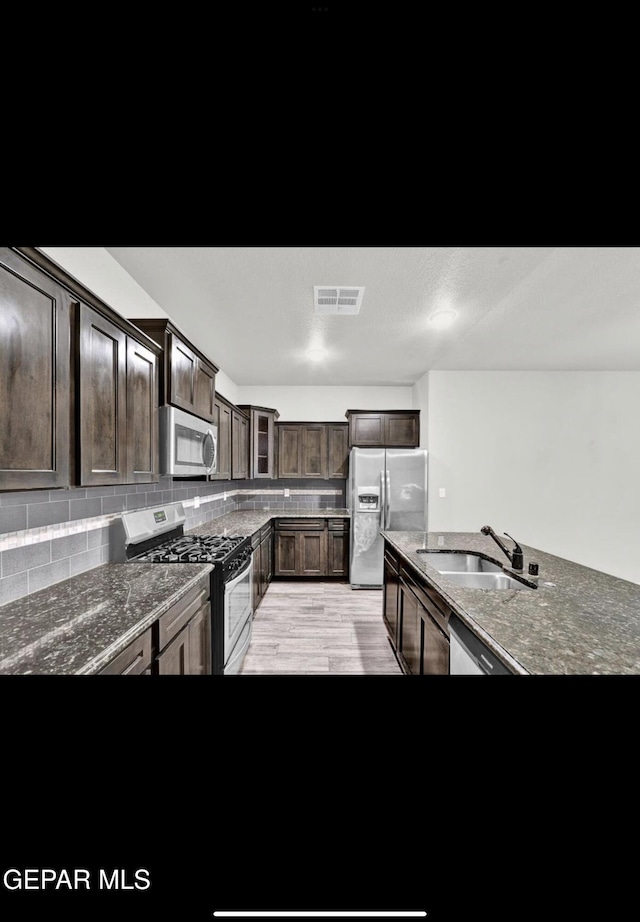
289,451
337,450
313,450
261,440
188,377
200,641
410,644
35,382
416,617
118,404
311,547
384,429
183,635
390,602
222,420
142,414
102,439
134,660
313,553
338,553
287,554
239,445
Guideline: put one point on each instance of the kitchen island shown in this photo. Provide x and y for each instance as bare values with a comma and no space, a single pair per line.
578,621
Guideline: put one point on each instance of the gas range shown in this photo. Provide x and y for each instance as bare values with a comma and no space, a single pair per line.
194,549
156,535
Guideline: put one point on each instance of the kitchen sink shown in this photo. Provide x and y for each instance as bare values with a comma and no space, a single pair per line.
465,563
484,580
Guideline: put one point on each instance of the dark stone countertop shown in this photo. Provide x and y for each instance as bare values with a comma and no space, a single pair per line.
579,621
249,521
76,626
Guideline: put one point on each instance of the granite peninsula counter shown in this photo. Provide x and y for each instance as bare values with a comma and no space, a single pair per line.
578,620
75,627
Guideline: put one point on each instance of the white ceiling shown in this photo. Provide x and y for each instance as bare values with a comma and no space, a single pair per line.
250,309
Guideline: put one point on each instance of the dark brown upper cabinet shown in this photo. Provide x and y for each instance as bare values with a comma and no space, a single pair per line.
222,411
143,463
312,450
79,380
337,450
188,377
384,429
117,404
102,400
35,382
261,440
239,445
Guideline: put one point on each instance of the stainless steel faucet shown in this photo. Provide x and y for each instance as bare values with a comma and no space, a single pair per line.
516,556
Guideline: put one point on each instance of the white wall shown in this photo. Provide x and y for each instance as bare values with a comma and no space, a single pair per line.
100,273
329,404
550,457
421,402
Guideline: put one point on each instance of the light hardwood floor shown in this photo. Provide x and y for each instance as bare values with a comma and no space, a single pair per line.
319,628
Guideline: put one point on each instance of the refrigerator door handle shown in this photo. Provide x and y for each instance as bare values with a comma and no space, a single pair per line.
383,499
387,499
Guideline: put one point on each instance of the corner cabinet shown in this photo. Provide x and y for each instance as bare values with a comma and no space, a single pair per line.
188,377
311,547
384,428
35,377
416,618
261,452
117,404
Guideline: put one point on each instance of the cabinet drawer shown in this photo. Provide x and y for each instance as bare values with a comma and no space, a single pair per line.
135,660
429,599
338,524
300,524
391,560
177,616
265,532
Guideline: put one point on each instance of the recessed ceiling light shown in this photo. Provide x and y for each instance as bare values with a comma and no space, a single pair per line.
316,353
442,319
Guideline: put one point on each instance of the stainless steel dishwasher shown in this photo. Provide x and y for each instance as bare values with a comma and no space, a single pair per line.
468,655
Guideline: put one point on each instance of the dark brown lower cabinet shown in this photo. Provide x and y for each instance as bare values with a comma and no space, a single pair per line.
338,548
134,660
184,635
390,601
178,643
311,547
410,642
416,618
262,544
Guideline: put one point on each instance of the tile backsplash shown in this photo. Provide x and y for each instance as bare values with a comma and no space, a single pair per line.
49,535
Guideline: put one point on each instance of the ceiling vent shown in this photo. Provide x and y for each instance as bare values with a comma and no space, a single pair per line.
337,299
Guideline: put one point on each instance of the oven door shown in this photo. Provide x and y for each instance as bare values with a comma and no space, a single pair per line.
237,617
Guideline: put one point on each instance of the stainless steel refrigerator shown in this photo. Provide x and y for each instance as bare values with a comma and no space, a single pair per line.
386,489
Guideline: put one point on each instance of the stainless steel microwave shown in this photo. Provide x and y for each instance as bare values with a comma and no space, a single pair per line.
188,444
